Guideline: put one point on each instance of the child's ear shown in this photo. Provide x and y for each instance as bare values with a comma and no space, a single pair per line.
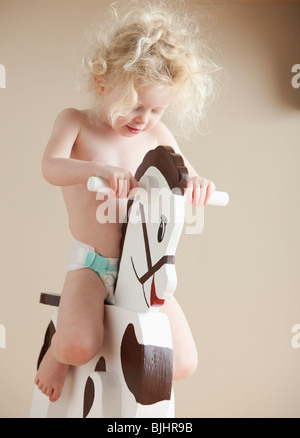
99,85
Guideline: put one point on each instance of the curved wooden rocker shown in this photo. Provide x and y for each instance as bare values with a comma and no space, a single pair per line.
131,376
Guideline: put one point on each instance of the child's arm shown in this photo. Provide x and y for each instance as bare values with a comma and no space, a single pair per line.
199,189
60,169
57,166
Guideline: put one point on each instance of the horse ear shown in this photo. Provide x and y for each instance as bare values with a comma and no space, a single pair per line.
170,164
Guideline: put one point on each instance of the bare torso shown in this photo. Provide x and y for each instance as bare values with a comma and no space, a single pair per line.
96,143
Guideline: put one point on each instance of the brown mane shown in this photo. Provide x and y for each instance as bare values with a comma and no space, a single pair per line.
170,165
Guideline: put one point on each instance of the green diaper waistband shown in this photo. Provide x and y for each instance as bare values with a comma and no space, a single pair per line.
99,263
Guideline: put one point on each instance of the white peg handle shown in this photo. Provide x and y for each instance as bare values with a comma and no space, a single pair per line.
219,199
95,183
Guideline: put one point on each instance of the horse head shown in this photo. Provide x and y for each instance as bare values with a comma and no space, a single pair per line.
155,217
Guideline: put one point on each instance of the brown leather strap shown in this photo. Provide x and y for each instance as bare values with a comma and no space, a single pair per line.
50,299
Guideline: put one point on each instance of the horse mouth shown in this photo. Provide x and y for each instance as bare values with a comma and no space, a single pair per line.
155,301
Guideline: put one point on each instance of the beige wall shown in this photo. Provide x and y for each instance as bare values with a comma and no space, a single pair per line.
239,281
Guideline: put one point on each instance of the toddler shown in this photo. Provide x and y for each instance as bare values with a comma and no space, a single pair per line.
143,63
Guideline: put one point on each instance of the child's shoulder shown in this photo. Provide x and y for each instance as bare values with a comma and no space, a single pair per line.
71,119
72,115
164,136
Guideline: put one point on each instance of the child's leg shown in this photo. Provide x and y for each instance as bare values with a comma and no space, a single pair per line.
79,331
185,357
80,318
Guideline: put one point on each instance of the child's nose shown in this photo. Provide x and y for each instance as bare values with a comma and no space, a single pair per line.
142,118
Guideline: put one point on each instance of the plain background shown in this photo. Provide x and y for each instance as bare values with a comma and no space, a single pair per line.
238,281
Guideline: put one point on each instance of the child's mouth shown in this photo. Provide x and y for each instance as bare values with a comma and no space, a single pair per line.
133,130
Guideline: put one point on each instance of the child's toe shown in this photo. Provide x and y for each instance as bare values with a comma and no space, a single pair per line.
55,394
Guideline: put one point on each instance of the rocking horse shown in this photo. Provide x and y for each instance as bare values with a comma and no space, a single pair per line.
131,376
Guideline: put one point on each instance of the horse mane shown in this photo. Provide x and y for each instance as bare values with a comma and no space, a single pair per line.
170,165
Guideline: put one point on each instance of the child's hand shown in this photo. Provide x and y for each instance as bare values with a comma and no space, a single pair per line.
199,190
121,181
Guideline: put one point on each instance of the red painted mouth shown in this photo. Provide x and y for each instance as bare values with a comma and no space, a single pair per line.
154,300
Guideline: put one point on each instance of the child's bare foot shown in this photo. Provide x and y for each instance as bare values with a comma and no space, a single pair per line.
50,376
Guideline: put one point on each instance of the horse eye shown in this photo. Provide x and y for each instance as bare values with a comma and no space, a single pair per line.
161,228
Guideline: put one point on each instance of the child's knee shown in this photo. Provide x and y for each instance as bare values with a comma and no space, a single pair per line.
77,351
184,367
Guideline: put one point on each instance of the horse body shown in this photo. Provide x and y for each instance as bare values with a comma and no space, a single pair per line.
130,377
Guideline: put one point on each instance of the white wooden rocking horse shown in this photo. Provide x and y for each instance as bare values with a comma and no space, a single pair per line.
131,376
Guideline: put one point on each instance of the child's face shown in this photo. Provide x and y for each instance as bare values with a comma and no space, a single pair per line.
152,103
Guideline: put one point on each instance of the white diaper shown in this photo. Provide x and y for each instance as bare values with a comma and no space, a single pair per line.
84,256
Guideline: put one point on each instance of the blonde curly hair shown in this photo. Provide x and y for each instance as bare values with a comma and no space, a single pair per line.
151,43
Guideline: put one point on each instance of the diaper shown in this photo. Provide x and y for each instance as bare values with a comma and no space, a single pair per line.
84,256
